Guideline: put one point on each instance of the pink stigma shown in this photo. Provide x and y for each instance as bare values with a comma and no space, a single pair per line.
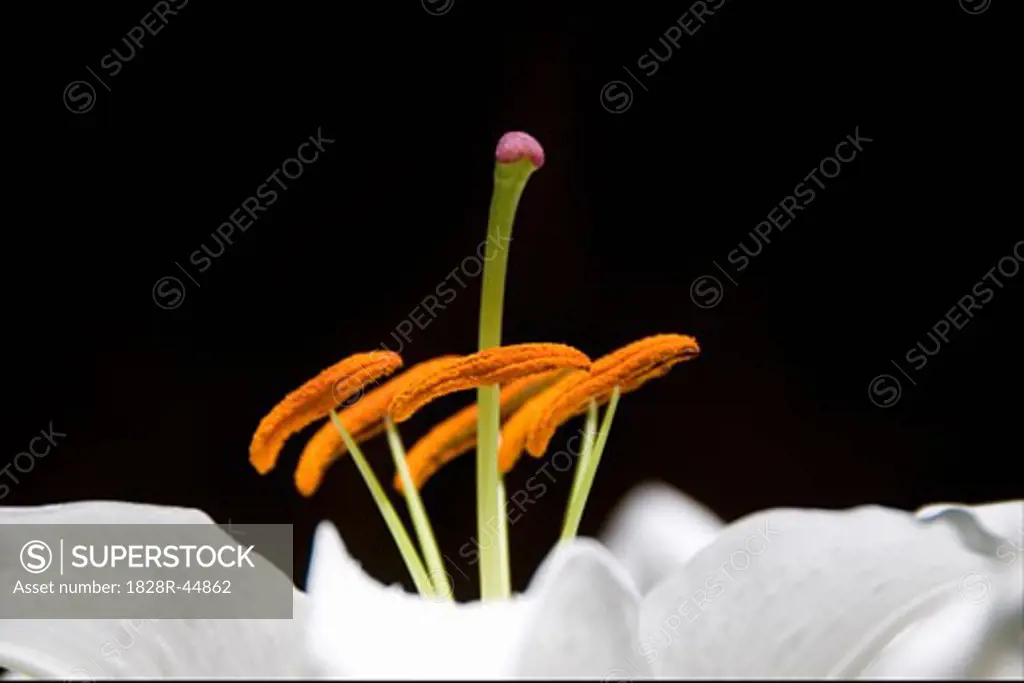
517,145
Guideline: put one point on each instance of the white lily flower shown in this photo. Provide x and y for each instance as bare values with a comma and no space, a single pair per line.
89,649
867,592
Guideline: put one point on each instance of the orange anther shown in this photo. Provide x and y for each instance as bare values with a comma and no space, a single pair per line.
363,418
314,400
498,365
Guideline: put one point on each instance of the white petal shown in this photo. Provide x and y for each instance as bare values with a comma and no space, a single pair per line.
364,629
585,613
102,512
975,638
112,648
361,628
799,593
1005,520
655,530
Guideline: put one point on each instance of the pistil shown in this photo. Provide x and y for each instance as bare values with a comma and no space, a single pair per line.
518,155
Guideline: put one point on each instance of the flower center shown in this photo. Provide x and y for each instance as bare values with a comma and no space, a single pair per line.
534,388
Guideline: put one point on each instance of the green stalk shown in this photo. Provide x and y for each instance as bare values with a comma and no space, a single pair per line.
387,511
509,181
420,521
586,469
506,571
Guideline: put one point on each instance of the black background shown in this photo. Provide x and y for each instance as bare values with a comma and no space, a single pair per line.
159,405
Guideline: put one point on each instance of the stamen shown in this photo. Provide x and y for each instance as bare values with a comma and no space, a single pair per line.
421,522
628,368
363,420
457,434
323,448
315,399
406,548
497,365
586,457
587,467
516,429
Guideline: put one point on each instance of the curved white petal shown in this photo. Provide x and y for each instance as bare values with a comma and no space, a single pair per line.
655,530
584,617
977,635
113,648
362,629
1005,520
807,593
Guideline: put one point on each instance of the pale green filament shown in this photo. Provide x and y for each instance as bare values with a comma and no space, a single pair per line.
586,468
420,521
509,181
387,511
586,451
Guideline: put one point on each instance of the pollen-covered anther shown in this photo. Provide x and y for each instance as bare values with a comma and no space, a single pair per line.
498,365
627,368
363,418
518,426
457,434
314,400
